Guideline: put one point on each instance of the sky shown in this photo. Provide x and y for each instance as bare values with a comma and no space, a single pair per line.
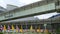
19,3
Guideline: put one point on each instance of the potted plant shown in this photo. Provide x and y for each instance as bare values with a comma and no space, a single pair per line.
1,32
58,31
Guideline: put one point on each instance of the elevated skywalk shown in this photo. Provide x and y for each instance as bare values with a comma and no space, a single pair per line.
30,10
